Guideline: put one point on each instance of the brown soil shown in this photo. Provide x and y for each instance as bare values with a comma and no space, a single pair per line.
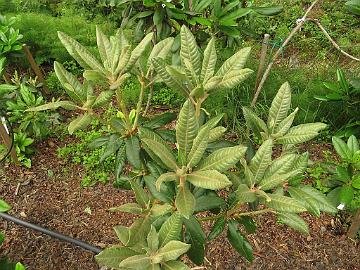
56,201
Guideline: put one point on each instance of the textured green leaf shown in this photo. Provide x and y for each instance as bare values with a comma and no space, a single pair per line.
152,239
208,202
281,165
285,124
198,148
161,50
342,148
216,133
141,196
123,234
276,180
138,231
133,151
235,62
208,179
255,123
76,92
189,50
262,159
113,256
185,201
217,228
138,262
186,130
120,161
103,98
161,151
164,195
356,181
4,207
171,251
104,46
239,242
132,208
234,77
80,123
80,53
353,144
309,202
323,202
293,221
280,106
197,240
165,177
244,194
209,61
160,120
285,204
67,105
171,229
248,223
301,133
139,49
222,159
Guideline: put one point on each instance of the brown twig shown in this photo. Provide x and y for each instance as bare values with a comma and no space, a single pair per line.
264,48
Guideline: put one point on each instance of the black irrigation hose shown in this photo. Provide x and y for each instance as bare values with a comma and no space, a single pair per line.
51,233
36,227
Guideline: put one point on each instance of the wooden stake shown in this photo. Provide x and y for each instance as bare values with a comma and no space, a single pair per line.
35,67
7,140
264,48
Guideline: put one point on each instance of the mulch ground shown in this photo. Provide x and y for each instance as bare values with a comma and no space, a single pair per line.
49,194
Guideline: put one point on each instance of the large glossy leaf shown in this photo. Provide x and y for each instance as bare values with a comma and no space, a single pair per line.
165,177
209,61
132,208
141,196
160,120
113,256
171,229
208,179
261,160
67,105
281,165
294,221
216,133
103,98
276,180
239,242
222,159
235,62
80,123
186,130
164,195
197,240
285,204
185,201
301,133
280,106
189,51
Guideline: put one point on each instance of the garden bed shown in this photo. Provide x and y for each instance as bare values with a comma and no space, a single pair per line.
50,195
